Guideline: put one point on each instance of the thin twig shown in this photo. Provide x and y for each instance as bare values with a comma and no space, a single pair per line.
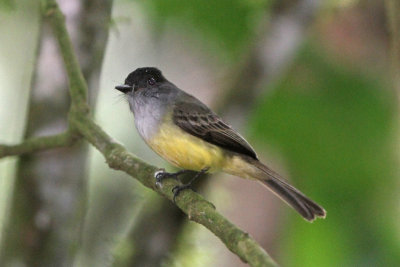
37,144
77,84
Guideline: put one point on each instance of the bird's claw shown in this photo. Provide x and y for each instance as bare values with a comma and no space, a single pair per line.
177,189
159,175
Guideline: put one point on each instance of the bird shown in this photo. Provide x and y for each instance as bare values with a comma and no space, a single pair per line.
188,134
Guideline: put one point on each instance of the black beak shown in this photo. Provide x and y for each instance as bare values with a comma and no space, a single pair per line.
124,88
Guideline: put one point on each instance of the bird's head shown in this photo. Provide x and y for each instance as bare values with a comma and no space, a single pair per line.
141,79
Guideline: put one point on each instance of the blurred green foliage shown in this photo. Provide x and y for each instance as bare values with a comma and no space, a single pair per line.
335,129
7,5
227,25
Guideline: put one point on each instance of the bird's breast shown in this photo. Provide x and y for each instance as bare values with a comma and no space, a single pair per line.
148,117
184,150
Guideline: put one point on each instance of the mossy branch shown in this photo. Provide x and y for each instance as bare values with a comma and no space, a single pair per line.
82,126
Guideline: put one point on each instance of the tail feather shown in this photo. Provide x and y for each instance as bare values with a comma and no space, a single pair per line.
297,200
302,204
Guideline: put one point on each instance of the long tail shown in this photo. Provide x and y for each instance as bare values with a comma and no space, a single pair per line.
293,197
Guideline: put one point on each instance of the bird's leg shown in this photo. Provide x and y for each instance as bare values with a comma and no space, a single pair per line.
177,189
162,174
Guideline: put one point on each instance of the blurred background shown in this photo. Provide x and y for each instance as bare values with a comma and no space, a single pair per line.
307,82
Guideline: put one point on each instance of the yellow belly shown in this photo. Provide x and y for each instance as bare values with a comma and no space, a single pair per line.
186,151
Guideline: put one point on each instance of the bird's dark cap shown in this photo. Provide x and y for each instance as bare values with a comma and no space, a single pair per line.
143,73
139,77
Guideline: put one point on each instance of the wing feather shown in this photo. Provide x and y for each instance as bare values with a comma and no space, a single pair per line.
197,119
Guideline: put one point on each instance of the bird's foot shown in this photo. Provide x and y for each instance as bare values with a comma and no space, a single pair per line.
177,189
161,174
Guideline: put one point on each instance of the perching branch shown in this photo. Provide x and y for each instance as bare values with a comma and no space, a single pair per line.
82,126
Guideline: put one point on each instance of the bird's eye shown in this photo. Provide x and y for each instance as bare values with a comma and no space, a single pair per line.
151,81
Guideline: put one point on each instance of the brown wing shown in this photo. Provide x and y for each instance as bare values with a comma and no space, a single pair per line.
197,119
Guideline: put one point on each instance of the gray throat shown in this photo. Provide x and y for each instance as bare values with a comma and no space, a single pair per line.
149,109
